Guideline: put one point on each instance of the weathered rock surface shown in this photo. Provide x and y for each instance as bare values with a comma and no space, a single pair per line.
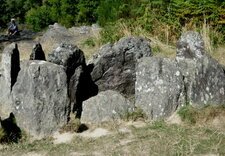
56,34
85,30
10,66
40,98
190,45
159,87
114,65
81,87
69,56
204,76
106,106
37,53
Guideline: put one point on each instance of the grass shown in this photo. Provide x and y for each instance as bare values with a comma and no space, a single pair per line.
136,114
154,138
203,115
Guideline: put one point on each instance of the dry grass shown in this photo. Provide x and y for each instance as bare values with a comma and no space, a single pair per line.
153,138
132,138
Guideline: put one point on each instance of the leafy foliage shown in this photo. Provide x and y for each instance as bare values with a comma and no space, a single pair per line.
162,18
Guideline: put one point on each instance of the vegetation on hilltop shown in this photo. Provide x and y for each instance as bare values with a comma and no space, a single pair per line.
162,18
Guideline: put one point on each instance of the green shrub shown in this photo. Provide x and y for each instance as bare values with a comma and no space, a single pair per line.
39,18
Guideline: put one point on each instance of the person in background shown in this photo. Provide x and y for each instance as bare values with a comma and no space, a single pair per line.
13,28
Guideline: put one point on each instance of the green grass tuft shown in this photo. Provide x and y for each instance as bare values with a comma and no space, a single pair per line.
135,115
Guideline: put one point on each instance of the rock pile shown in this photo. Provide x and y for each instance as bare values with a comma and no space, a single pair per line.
41,94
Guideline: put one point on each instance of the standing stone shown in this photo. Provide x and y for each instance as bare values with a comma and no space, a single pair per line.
81,88
10,67
106,106
69,56
37,53
159,87
114,65
40,98
204,77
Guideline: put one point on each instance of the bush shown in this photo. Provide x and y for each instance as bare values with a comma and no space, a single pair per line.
39,18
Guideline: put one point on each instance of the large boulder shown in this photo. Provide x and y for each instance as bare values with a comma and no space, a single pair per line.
40,98
10,67
159,88
56,34
204,77
106,106
69,56
114,65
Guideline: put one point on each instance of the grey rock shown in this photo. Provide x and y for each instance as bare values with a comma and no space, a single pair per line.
159,88
37,53
106,106
114,65
190,45
81,88
56,33
40,98
69,56
204,81
74,88
85,30
204,77
10,66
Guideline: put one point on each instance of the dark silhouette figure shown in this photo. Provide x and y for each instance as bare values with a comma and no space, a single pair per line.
11,130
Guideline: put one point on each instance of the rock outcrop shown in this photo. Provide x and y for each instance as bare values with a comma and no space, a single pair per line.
40,98
37,53
106,106
159,87
204,77
114,65
10,67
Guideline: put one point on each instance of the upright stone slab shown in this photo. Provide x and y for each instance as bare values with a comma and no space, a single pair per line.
37,53
114,65
81,87
204,77
159,87
40,98
10,67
